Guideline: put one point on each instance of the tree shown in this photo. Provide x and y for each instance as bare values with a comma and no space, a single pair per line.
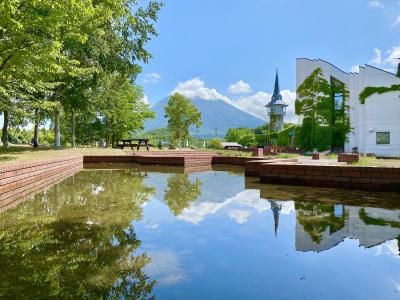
243,136
181,192
181,114
56,49
216,144
74,243
119,107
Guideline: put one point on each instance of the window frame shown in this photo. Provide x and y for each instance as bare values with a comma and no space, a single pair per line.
382,132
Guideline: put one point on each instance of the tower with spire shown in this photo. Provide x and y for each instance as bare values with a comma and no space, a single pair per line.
276,108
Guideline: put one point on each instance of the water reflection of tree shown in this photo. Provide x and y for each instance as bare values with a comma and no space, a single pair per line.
180,192
376,221
76,241
317,218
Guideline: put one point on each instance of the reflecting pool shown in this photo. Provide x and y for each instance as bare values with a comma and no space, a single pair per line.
134,232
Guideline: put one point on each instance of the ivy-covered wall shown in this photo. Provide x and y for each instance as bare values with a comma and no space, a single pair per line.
370,90
323,105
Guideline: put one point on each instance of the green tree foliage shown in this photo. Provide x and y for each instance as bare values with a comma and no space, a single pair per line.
244,136
119,107
216,144
325,122
181,114
77,240
181,192
158,136
317,218
54,54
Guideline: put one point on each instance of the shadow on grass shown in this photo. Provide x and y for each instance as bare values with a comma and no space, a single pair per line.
6,158
23,149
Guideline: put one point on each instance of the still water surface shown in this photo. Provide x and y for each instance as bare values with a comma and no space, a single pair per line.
142,232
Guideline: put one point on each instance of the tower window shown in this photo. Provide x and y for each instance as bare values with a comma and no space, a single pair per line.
383,138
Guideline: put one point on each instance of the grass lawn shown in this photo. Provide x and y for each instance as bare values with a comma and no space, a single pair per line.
370,161
16,154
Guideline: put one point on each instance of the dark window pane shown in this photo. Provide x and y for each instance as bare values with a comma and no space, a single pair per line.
383,138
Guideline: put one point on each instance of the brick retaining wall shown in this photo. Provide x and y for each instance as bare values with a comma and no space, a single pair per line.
365,178
233,160
20,181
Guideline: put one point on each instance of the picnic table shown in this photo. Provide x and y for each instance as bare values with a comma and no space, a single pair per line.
138,144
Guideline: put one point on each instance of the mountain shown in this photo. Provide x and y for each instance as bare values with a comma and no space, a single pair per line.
216,115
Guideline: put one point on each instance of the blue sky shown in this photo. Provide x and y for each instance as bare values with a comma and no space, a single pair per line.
209,45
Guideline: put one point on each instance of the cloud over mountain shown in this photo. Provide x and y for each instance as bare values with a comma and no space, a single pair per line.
253,104
196,88
239,87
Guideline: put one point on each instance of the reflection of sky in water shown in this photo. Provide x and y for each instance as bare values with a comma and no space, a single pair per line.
224,246
208,236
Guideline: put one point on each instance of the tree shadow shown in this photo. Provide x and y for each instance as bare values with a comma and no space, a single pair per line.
6,158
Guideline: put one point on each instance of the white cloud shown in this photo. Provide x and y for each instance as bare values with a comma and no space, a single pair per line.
393,56
376,4
165,267
152,78
145,99
240,216
377,59
396,22
196,88
241,207
355,69
252,104
239,87
152,226
255,104
196,212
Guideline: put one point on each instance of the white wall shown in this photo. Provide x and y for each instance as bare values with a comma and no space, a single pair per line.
379,113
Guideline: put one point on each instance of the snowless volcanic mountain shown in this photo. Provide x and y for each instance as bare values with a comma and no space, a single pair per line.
216,115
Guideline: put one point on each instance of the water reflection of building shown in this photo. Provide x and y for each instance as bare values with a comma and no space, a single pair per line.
321,227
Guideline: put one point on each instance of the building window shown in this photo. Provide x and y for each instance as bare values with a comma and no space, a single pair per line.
383,138
338,101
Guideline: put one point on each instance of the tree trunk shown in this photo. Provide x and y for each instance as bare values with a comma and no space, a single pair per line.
73,128
57,134
113,140
4,136
36,129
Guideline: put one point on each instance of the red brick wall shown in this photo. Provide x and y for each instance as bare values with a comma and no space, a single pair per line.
347,157
108,158
20,181
365,178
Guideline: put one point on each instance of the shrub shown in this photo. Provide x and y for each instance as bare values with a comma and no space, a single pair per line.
216,144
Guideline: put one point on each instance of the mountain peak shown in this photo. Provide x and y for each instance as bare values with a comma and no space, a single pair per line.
217,116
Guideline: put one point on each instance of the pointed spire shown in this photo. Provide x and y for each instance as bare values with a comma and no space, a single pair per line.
277,92
276,208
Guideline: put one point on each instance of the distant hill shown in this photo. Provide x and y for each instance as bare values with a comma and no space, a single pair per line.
217,116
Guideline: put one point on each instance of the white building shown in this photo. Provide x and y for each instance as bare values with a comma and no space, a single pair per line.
375,124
